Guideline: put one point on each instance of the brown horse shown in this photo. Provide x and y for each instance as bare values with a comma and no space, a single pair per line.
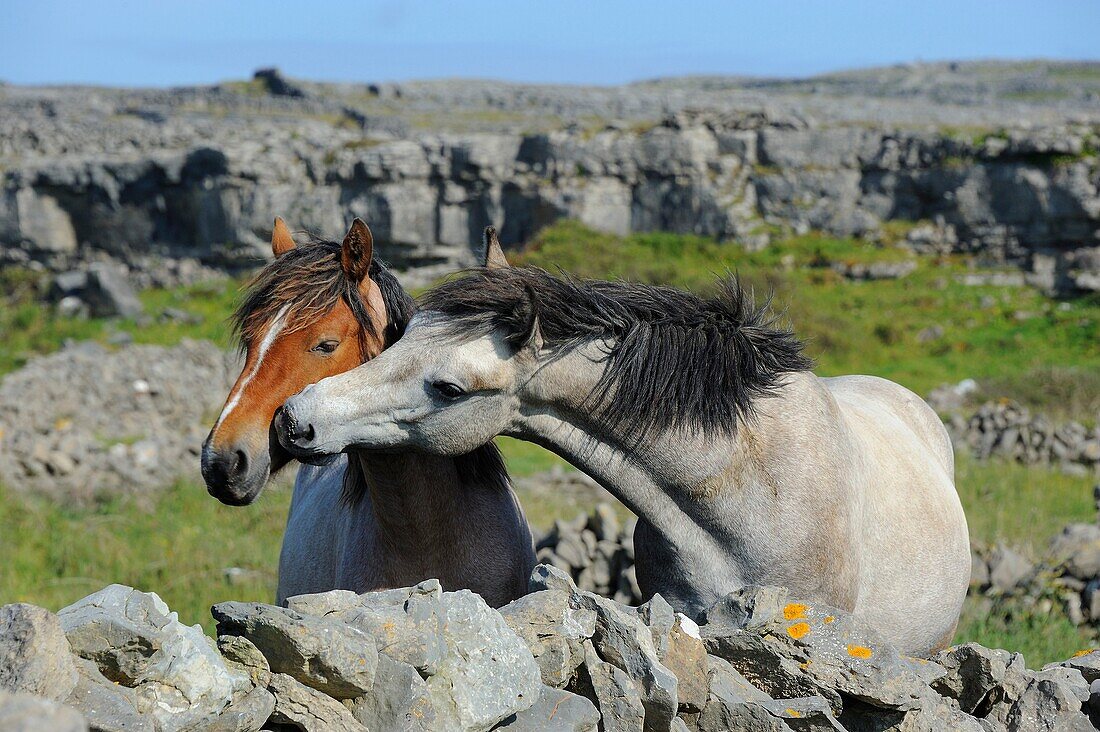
368,520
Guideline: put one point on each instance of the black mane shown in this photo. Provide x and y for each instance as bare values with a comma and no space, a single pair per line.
310,279
674,359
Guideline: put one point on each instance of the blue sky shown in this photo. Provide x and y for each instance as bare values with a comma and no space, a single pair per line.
159,43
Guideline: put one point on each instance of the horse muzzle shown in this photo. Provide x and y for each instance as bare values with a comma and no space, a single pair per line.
233,476
299,437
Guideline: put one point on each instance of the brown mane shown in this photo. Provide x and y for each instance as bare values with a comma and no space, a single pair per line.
310,280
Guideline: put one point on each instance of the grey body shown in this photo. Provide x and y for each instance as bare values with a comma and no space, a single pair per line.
841,489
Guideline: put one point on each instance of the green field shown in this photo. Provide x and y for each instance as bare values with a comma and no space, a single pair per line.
1017,342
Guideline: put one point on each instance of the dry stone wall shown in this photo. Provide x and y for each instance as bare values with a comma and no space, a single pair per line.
559,658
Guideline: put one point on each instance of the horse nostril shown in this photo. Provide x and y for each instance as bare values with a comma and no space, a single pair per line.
294,432
240,463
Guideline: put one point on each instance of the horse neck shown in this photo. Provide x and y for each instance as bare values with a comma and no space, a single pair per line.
654,478
418,503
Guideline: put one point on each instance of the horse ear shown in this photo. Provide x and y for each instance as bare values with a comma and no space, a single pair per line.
531,335
358,248
281,240
494,255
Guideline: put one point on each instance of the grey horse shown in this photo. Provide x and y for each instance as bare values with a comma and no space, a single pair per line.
701,415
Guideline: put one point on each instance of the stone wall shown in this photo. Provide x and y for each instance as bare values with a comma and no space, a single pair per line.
559,658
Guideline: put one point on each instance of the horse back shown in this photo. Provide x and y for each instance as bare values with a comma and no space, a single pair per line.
871,393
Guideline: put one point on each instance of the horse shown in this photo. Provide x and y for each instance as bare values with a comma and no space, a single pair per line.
702,415
367,520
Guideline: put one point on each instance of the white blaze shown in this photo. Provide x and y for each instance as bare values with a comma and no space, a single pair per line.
265,344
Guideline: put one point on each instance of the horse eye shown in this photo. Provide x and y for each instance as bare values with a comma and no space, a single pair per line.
326,346
448,390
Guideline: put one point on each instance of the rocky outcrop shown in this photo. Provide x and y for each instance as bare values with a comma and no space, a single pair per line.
559,658
196,175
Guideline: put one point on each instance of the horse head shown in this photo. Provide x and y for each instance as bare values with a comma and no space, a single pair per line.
315,311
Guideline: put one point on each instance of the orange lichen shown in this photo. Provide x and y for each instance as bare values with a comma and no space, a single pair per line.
798,630
793,712
1084,652
829,618
794,611
859,651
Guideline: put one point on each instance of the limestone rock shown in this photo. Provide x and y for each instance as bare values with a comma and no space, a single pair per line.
20,712
557,710
616,696
108,707
34,653
974,674
328,655
308,709
554,630
622,639
247,714
1088,664
477,670
400,700
177,674
792,649
1048,704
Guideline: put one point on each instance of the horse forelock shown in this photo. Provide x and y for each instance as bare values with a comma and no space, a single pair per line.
307,282
674,359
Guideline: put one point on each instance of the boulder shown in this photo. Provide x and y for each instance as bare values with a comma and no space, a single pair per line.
328,655
556,710
1048,704
132,637
685,656
1008,569
1085,662
400,699
554,631
974,675
20,712
793,649
108,707
102,288
621,638
616,696
307,709
478,671
735,704
247,714
239,650
1078,548
34,653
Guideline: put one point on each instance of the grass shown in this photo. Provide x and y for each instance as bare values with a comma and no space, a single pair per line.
177,544
1022,506
1041,632
29,328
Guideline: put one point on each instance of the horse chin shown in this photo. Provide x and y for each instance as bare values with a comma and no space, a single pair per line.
318,460
238,496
